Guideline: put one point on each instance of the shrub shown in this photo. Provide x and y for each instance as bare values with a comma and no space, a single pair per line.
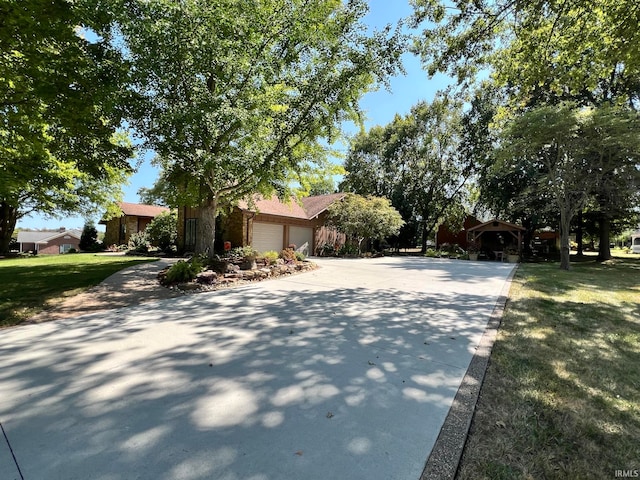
271,256
182,271
349,249
138,242
89,238
327,250
300,256
431,253
162,231
243,252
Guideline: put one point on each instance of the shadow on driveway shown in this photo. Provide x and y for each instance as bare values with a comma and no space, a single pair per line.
297,378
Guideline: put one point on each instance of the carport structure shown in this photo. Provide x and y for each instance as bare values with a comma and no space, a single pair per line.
495,234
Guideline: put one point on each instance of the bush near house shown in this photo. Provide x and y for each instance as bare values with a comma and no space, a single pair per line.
182,271
162,231
89,239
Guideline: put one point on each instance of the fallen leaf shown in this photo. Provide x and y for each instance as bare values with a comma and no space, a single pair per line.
299,453
501,424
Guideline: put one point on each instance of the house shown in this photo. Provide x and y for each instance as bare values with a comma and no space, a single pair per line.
268,224
635,241
135,218
446,235
48,242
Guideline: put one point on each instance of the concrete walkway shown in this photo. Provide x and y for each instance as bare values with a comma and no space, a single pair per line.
346,372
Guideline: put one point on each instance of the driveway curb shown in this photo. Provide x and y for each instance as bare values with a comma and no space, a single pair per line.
445,456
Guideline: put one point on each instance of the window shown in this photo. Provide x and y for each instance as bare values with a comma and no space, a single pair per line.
65,247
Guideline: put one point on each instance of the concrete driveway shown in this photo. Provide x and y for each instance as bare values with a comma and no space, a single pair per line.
346,372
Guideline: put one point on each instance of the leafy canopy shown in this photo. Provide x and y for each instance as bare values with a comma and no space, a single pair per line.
60,148
361,217
416,161
236,95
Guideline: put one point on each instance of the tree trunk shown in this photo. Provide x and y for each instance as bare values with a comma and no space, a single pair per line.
8,219
579,234
604,252
423,246
206,236
565,250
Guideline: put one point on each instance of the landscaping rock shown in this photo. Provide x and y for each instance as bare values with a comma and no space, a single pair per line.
232,268
207,277
249,274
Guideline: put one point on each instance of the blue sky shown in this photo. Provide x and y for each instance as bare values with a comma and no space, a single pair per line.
380,107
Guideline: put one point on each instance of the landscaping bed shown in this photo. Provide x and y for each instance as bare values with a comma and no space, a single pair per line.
204,274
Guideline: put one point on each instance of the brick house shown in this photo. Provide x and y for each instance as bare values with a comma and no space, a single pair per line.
268,224
445,235
49,242
135,218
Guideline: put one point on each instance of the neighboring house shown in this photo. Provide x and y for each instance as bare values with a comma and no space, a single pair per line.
445,235
635,241
48,242
135,218
268,224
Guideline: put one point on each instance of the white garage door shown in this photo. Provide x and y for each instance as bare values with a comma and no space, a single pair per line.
302,238
267,236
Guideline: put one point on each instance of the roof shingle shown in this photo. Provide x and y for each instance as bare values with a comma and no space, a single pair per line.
310,208
141,210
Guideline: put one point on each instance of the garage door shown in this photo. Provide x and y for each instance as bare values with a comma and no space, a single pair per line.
302,238
267,236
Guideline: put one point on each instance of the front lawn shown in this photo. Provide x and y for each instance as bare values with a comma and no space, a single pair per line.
29,284
561,398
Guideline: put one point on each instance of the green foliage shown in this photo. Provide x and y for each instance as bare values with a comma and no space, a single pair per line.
572,153
60,151
182,271
541,50
89,238
235,96
317,179
348,249
415,161
138,242
300,256
327,250
243,252
359,217
271,256
162,231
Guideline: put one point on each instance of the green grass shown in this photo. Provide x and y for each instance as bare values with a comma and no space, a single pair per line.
561,398
30,284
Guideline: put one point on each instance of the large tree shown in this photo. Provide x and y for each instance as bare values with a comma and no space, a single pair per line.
544,53
60,150
235,95
570,152
361,217
583,49
416,161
